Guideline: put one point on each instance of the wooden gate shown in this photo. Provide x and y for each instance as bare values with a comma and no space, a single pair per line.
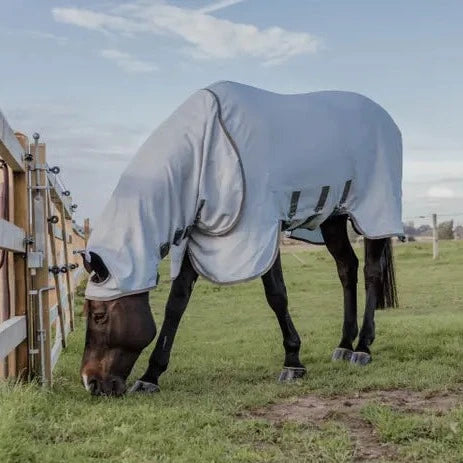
39,261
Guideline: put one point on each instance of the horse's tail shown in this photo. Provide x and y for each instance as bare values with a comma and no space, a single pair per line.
386,291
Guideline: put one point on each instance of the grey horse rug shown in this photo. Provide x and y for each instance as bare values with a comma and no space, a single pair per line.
231,167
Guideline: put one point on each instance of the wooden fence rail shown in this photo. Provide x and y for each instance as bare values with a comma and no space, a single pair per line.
39,268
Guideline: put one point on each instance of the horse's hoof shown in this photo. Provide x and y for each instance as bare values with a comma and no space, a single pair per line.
360,358
341,354
289,374
144,387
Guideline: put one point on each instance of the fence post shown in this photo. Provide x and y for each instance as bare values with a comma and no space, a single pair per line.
435,237
21,219
41,278
86,230
11,275
5,280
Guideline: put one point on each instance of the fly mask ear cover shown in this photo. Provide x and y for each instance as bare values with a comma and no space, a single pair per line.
96,266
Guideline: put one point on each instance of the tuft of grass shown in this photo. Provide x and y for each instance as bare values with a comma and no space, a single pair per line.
225,362
424,437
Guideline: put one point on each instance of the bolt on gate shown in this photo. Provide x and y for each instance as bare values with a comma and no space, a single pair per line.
39,267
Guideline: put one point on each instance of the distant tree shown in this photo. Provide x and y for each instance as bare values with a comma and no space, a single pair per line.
424,230
409,229
445,230
458,232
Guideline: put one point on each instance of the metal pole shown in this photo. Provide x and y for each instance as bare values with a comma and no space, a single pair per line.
41,332
36,137
435,237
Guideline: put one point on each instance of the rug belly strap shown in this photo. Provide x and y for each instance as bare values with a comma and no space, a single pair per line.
322,200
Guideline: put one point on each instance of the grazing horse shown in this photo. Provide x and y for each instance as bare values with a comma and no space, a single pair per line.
214,185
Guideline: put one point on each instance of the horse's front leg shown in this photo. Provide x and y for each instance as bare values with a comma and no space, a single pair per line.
179,296
275,291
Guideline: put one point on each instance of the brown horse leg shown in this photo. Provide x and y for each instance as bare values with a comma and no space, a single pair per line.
334,231
177,302
275,291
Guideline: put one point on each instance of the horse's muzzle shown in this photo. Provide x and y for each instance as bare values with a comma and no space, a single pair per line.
112,386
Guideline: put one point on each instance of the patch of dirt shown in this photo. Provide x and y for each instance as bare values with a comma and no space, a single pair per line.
345,409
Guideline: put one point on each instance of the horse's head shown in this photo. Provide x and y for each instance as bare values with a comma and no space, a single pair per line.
117,331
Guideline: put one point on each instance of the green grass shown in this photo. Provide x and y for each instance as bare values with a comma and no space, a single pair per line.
225,362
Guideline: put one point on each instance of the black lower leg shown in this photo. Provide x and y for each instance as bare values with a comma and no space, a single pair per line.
179,296
348,276
350,327
275,292
373,252
367,332
334,232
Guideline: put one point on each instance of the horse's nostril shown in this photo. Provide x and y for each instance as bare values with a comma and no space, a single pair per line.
94,386
114,387
110,386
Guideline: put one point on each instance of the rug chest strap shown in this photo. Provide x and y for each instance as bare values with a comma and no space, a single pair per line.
178,236
164,250
187,232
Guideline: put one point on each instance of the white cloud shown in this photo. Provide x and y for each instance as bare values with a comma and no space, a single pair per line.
429,170
127,62
91,152
93,20
47,36
206,35
219,5
440,192
432,186
35,34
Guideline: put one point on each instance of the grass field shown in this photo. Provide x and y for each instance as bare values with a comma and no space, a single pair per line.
224,367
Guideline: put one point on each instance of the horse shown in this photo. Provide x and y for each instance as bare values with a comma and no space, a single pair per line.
215,185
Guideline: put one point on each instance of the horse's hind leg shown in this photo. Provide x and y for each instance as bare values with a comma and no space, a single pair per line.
275,292
374,250
334,232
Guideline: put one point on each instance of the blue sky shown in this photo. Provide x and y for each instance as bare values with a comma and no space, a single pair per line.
96,77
